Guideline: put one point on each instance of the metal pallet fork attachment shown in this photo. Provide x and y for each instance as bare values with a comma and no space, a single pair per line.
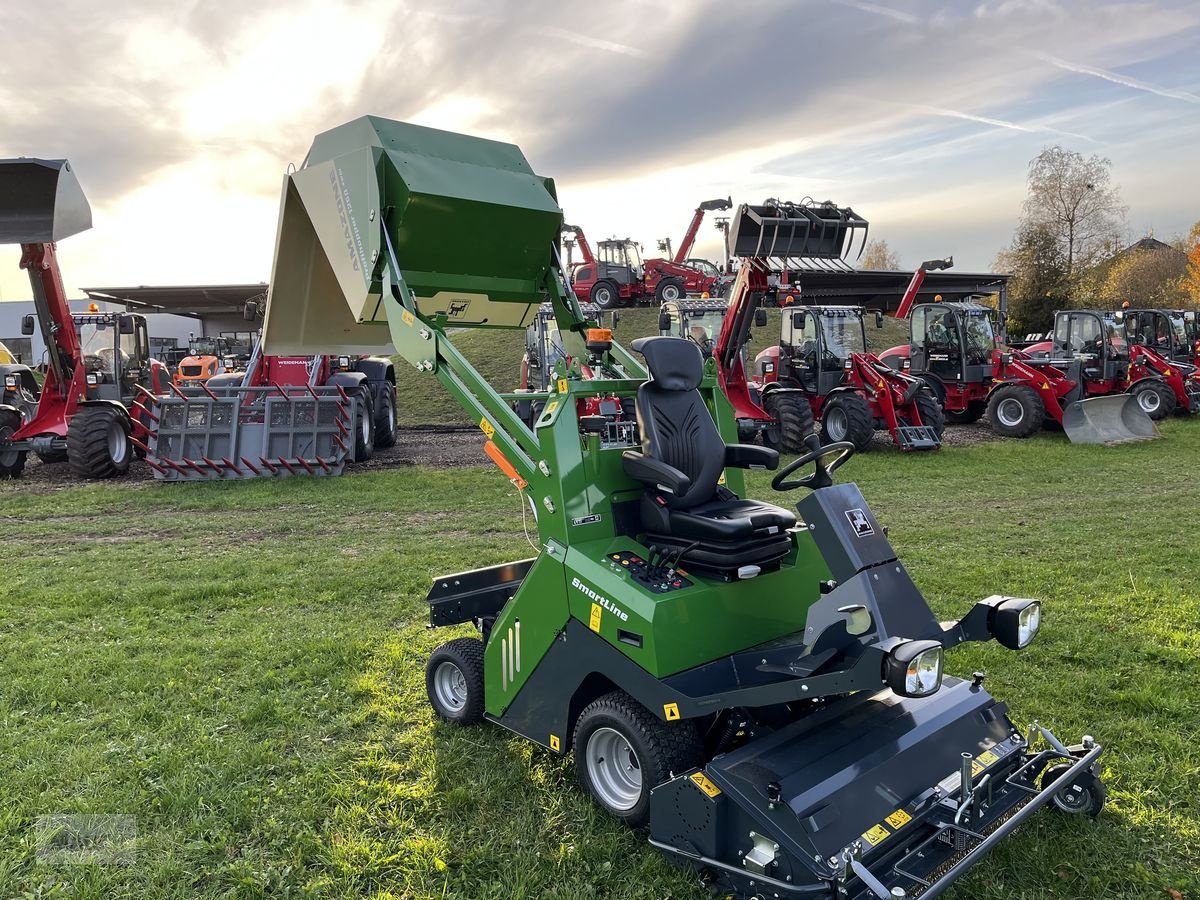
252,432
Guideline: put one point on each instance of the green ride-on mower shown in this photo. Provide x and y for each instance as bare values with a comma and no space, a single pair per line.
763,691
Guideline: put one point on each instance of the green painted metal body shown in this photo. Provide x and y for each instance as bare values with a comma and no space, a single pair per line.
428,231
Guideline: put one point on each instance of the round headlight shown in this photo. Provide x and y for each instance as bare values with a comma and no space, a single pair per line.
1015,622
914,669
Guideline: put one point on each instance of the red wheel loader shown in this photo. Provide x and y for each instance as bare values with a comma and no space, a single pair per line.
90,410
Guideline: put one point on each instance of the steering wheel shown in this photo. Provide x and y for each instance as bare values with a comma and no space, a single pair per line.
822,475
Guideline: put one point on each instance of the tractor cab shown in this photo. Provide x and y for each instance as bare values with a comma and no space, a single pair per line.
698,321
544,346
953,341
620,261
1095,339
816,345
1165,331
116,354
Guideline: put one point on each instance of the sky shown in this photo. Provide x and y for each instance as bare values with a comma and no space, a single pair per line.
181,118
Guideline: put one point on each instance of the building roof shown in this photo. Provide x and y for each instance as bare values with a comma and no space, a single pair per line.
883,290
196,301
1148,243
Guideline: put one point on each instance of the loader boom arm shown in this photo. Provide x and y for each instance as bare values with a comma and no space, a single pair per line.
585,249
689,237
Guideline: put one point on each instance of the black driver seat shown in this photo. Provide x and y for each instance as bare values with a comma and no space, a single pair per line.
682,460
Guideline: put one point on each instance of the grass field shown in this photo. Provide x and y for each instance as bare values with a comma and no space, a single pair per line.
239,668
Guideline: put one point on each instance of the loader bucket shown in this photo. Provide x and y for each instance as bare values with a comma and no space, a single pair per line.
466,221
1115,419
790,230
40,201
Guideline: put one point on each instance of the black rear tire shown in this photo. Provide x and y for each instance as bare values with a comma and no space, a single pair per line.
670,290
930,411
1155,397
12,462
454,680
364,426
98,443
1015,410
847,417
385,417
606,295
793,421
654,750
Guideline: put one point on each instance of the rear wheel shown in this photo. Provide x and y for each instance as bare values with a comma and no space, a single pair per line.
98,442
454,680
385,417
1155,398
622,751
12,462
930,412
605,295
1016,410
669,290
793,421
847,417
364,426
973,413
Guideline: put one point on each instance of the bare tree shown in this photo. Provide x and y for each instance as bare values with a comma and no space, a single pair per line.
879,257
1073,198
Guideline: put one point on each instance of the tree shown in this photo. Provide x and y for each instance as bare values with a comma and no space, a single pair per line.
1146,278
879,257
1190,283
1039,285
1073,200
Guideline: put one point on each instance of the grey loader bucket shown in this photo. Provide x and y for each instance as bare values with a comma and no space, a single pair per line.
42,201
251,432
1115,419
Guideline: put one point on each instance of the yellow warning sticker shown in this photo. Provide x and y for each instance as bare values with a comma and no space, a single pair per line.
987,758
562,385
594,620
555,743
671,711
701,781
487,428
550,407
976,767
407,317
876,835
898,819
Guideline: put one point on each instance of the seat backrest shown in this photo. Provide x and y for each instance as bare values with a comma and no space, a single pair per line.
675,423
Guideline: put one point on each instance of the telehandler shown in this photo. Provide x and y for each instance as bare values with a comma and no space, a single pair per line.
764,691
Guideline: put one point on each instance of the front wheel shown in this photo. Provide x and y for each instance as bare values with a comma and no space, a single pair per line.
364,427
1155,398
12,462
930,412
793,421
669,290
1086,795
605,295
385,417
1016,410
847,417
622,751
454,680
98,442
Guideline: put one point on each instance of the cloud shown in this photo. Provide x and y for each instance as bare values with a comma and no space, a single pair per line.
878,10
1117,78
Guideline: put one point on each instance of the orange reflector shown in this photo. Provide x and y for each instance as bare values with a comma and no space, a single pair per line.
599,335
705,295
93,307
505,466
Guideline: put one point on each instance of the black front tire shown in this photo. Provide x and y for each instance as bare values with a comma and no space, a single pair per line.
454,681
972,414
12,462
52,456
670,290
847,417
606,295
793,421
385,416
1155,398
1086,795
930,411
364,427
1016,410
655,749
98,443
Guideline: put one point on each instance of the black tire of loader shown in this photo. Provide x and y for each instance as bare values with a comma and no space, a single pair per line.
969,416
931,412
465,654
385,417
1165,407
364,426
88,450
1032,406
52,456
12,462
793,421
662,748
860,424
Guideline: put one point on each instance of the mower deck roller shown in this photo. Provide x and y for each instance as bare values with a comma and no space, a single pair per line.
676,650
1113,419
42,203
790,231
